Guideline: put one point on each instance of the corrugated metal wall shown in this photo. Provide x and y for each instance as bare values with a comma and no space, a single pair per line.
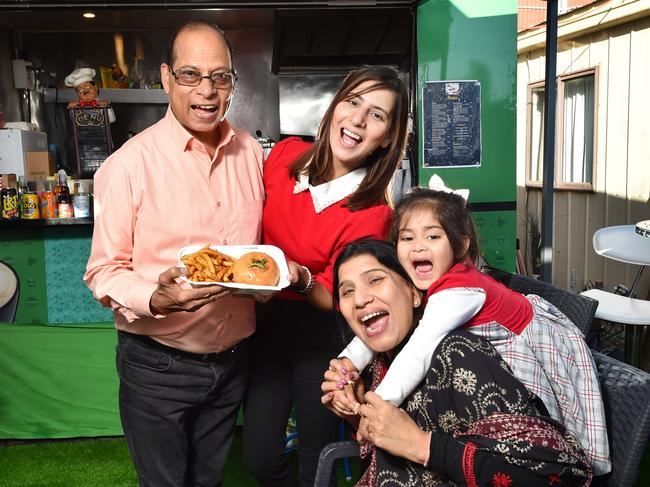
622,160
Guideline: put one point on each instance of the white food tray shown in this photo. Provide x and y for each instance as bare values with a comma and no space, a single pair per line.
236,251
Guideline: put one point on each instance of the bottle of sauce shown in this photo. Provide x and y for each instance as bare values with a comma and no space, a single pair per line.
29,203
64,208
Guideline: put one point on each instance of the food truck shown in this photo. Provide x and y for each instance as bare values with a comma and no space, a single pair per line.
457,56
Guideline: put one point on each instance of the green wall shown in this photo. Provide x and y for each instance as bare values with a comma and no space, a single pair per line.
58,382
50,262
57,362
24,250
477,40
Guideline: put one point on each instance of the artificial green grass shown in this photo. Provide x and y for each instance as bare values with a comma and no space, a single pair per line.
106,462
100,463
103,462
92,463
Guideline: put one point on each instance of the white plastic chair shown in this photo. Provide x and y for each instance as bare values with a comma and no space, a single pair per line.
624,244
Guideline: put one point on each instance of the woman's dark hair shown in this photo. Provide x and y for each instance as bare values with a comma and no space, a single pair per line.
450,210
381,250
381,164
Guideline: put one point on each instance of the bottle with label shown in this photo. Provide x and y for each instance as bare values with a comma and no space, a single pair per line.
9,199
64,208
28,201
22,188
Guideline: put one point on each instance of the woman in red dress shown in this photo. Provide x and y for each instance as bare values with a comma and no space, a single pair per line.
319,197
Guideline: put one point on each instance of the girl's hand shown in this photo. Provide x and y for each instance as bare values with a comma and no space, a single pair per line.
346,370
390,428
341,388
343,377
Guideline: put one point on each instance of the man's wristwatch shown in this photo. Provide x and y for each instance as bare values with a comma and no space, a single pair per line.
310,282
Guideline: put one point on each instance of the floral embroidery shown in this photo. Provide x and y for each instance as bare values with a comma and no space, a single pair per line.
462,396
501,480
448,421
465,381
417,401
502,448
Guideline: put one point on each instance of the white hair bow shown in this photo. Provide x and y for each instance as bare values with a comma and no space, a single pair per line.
437,184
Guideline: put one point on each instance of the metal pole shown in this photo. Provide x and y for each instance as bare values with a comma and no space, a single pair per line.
550,94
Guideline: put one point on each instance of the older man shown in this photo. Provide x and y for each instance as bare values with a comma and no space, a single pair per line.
190,179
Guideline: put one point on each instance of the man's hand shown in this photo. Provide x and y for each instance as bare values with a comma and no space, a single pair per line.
170,297
390,428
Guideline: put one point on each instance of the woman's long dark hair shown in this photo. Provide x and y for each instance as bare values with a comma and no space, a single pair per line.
383,251
381,164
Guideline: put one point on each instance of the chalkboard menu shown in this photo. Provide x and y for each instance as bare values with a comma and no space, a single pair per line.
451,123
92,137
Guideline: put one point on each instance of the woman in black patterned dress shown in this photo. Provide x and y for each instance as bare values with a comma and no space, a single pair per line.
470,422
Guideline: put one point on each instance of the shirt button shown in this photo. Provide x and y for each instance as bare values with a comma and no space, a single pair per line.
218,204
225,242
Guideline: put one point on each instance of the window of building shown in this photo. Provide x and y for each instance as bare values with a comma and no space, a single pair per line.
575,131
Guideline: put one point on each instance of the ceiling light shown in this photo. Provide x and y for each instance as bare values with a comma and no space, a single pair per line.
89,15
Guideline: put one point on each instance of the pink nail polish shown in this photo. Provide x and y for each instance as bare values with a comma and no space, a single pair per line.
339,387
344,370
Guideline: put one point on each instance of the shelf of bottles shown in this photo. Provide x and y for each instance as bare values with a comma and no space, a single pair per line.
27,209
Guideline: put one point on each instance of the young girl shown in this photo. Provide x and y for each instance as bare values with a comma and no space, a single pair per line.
436,243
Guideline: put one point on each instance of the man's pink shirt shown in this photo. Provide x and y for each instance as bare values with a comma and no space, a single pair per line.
156,194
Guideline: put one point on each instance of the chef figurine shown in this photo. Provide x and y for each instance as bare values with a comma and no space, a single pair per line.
83,81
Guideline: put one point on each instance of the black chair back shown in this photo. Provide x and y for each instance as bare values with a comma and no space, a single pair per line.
626,394
579,309
328,455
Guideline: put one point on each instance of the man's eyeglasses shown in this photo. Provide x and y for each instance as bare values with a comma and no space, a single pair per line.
189,77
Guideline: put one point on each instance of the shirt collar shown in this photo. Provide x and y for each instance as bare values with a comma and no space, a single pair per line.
182,137
326,194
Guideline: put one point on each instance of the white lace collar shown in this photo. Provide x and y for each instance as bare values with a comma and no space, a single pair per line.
326,194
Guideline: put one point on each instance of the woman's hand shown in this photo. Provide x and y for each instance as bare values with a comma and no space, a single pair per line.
390,428
298,277
320,296
342,389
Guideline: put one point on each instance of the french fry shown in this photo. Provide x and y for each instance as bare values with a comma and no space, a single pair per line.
220,274
208,265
